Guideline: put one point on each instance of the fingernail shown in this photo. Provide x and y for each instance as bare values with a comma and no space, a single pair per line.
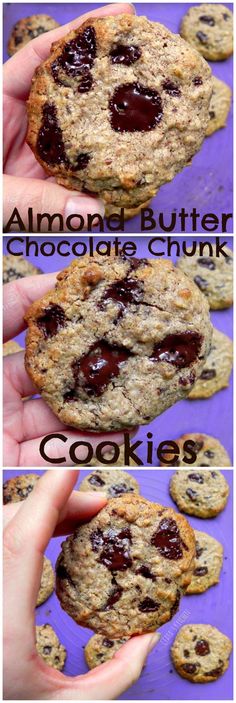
83,207
153,641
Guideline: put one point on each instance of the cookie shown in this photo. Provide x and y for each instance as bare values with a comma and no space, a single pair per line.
217,369
117,341
200,653
209,559
109,456
131,128
19,487
49,648
209,28
213,275
219,106
125,571
113,483
100,649
128,212
17,267
47,582
11,347
208,450
203,493
27,29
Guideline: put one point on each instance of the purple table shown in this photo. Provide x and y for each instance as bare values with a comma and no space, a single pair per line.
208,183
212,416
159,681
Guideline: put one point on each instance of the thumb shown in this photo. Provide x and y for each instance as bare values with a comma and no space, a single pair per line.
54,204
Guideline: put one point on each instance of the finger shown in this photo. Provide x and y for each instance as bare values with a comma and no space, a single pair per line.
16,381
56,202
38,50
18,296
110,680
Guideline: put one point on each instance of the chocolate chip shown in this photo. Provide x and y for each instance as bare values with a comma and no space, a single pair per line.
202,648
81,162
134,262
119,488
123,292
52,320
125,55
201,571
171,89
47,649
148,605
96,480
196,477
199,550
214,474
85,83
167,539
178,349
114,597
212,114
197,80
50,145
190,668
145,572
207,19
186,653
107,643
203,38
201,282
167,580
191,494
214,672
207,262
115,545
94,371
207,374
135,108
209,454
78,55
36,32
225,16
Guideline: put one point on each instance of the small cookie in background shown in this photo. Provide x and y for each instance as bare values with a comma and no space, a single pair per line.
47,582
213,275
119,462
19,487
49,647
217,369
201,493
209,560
128,212
15,267
200,653
100,649
219,106
113,483
11,347
27,29
209,28
209,451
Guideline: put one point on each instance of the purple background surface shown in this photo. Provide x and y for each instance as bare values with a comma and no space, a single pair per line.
159,681
213,416
208,183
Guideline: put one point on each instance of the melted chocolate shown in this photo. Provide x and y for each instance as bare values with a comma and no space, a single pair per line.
85,83
123,292
125,55
201,282
115,549
145,572
114,597
94,371
190,668
96,480
78,56
171,89
135,108
167,539
148,605
196,477
202,648
50,145
207,262
178,349
52,321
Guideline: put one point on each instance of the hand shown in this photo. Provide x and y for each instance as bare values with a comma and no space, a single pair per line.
26,422
52,509
25,182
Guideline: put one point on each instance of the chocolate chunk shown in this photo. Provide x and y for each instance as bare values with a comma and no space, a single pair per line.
207,262
125,55
201,571
96,539
212,114
201,282
197,80
214,474
50,145
96,480
207,19
167,539
135,108
190,668
171,89
123,292
114,597
107,643
94,371
119,488
145,572
196,477
115,545
86,83
199,550
186,653
52,320
202,648
192,494
175,605
215,672
134,262
207,374
78,55
209,454
203,38
178,349
148,605
47,649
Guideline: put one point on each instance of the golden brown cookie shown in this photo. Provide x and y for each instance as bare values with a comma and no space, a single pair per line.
217,369
29,28
49,648
201,493
209,28
219,106
200,653
209,559
47,582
